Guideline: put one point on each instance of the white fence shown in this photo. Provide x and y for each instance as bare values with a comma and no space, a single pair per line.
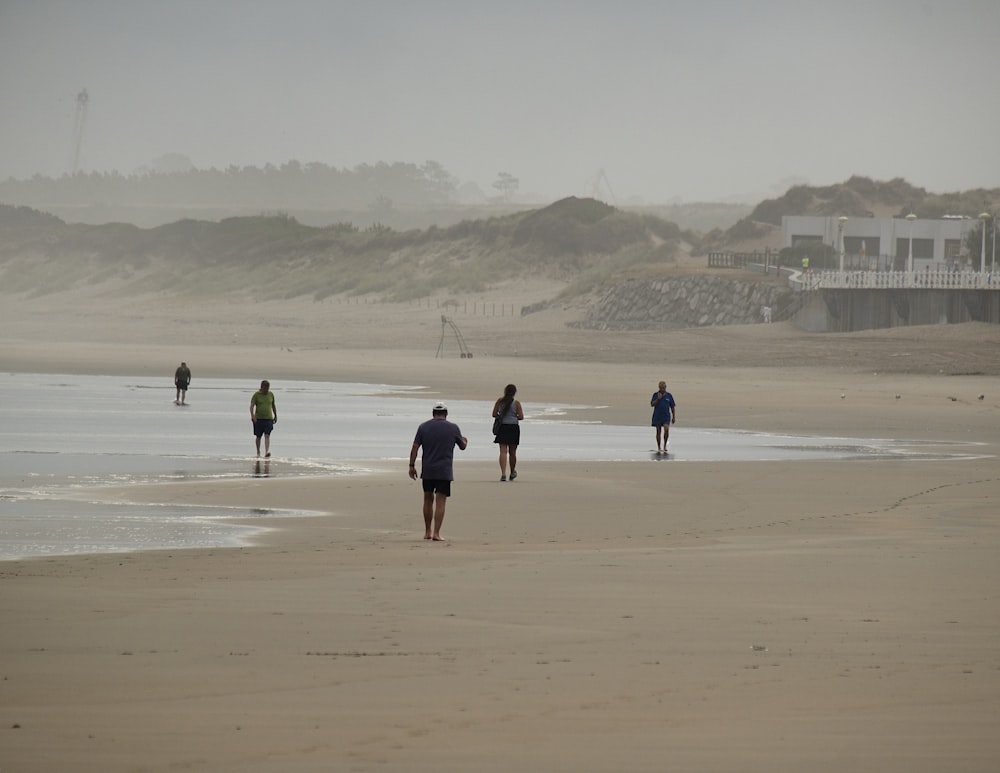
890,280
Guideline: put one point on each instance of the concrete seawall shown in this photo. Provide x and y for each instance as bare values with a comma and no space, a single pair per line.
848,310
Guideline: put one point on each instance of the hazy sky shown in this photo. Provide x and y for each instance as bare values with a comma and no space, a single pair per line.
696,100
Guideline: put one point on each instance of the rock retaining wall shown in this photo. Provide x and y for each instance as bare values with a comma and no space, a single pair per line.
694,301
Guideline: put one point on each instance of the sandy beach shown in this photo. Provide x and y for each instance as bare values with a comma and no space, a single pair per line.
821,616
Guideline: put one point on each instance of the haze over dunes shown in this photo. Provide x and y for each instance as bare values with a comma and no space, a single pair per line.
583,241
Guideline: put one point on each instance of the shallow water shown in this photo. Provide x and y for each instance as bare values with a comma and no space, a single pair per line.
64,437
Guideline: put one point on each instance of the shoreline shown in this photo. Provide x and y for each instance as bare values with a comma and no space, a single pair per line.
91,496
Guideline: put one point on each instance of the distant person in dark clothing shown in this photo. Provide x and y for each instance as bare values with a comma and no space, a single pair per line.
182,379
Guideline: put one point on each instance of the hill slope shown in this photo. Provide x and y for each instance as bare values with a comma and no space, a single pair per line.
579,241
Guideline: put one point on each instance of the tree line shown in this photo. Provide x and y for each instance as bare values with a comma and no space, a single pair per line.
292,185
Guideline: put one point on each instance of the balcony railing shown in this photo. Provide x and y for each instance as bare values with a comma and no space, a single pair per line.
892,280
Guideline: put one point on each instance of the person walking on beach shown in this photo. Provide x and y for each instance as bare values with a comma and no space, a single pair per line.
263,415
664,414
437,437
182,379
507,413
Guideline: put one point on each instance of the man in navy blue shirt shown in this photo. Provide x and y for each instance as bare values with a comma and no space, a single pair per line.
664,414
438,437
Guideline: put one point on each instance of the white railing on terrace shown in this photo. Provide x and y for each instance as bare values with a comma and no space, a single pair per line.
889,280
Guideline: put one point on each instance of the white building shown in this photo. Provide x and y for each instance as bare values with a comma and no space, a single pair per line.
884,243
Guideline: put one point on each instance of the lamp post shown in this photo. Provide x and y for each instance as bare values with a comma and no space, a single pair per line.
840,238
909,260
993,262
984,216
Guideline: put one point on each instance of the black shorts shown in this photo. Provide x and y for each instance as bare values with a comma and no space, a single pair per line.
510,435
182,385
432,486
262,427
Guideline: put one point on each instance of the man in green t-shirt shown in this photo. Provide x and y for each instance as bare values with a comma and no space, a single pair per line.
263,415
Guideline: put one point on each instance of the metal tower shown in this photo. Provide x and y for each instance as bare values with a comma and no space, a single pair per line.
79,123
597,183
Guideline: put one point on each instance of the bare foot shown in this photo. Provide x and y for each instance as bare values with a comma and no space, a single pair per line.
427,536
439,538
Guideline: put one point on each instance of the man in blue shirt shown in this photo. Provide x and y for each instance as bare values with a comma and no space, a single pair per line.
664,414
438,437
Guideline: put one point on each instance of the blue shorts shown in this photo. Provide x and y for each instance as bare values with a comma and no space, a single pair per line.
262,427
432,486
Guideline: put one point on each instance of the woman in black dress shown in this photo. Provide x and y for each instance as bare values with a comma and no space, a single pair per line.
508,413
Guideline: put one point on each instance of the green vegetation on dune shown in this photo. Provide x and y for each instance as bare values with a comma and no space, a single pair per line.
578,241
